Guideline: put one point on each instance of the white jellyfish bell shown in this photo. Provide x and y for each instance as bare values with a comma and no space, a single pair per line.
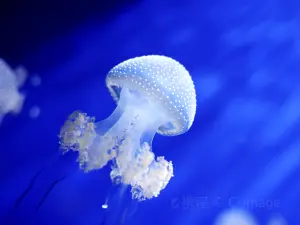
154,94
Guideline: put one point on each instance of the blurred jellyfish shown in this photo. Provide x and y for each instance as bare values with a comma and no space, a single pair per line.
21,75
35,80
154,94
10,98
34,112
277,220
235,217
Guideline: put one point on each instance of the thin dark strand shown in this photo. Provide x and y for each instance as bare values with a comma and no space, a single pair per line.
51,187
26,191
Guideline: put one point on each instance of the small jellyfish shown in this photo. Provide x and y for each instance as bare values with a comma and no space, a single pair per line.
277,220
235,217
154,94
104,206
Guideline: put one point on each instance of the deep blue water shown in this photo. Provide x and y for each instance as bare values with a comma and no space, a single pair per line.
244,144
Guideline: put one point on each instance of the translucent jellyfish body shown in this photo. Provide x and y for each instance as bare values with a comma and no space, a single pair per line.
10,81
235,217
154,94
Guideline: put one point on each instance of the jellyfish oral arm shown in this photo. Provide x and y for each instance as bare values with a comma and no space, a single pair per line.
125,139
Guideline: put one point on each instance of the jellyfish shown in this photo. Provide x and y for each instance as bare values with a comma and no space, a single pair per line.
277,219
11,100
154,94
235,217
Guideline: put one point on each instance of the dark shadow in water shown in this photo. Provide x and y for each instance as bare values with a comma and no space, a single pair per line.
51,187
26,191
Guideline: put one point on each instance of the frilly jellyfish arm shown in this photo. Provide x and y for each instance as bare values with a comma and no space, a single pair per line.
154,94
